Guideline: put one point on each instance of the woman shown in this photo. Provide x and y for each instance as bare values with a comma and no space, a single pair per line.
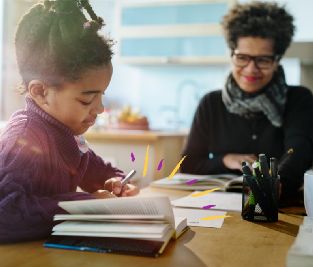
256,112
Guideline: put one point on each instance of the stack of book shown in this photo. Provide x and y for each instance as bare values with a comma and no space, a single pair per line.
128,225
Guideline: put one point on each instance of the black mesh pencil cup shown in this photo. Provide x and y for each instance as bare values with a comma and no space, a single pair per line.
260,191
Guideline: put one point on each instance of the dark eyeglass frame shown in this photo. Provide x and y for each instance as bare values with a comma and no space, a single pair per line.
255,59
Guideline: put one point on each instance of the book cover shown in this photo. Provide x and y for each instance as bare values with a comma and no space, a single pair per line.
140,247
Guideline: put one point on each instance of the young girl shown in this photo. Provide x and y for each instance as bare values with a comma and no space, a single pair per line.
66,67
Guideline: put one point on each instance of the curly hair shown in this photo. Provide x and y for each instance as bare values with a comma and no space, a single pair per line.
55,42
259,19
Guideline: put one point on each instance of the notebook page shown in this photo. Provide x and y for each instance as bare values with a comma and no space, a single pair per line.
122,205
92,227
107,217
158,237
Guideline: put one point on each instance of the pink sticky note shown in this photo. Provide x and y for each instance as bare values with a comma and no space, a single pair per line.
208,207
160,165
192,181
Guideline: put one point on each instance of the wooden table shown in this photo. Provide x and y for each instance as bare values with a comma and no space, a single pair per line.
237,243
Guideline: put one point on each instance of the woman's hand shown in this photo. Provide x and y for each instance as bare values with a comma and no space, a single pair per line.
114,185
233,161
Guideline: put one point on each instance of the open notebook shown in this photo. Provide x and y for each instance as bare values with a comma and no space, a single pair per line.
184,181
132,225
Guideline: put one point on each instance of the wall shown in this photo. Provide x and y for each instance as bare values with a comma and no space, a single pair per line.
167,94
11,99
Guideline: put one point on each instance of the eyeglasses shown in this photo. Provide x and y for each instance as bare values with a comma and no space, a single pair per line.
261,62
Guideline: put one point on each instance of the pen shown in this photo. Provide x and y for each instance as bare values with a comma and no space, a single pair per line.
284,159
127,177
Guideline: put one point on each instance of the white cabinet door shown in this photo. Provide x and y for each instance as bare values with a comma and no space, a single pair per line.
178,32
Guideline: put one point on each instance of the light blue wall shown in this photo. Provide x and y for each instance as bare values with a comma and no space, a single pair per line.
168,95
302,12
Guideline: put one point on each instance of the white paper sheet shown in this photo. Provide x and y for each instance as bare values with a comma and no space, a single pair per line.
194,215
221,200
301,252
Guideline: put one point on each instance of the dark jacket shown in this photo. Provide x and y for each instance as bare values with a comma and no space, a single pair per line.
216,132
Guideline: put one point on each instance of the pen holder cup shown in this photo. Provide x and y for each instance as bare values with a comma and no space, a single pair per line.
260,199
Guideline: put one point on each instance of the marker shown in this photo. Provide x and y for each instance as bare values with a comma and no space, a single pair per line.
273,167
247,208
127,177
251,203
256,170
260,196
246,170
267,181
264,165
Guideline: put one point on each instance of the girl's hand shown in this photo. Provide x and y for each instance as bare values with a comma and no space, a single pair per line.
103,194
233,161
129,190
114,185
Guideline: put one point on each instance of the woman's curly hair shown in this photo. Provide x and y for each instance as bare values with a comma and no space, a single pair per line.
55,42
259,19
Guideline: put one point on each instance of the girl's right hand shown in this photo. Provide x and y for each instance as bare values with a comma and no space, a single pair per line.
234,161
103,194
114,185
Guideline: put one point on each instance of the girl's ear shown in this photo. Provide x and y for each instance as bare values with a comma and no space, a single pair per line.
38,91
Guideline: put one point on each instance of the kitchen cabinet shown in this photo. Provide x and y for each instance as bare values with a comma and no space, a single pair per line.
172,32
116,146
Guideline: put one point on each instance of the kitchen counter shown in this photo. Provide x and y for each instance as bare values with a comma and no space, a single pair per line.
116,146
133,135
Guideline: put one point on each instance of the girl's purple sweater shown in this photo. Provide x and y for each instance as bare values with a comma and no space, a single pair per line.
40,165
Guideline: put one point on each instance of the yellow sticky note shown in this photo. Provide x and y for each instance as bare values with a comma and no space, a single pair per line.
176,168
200,194
214,217
145,167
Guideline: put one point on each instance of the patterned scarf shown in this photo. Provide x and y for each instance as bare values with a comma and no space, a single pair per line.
270,100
